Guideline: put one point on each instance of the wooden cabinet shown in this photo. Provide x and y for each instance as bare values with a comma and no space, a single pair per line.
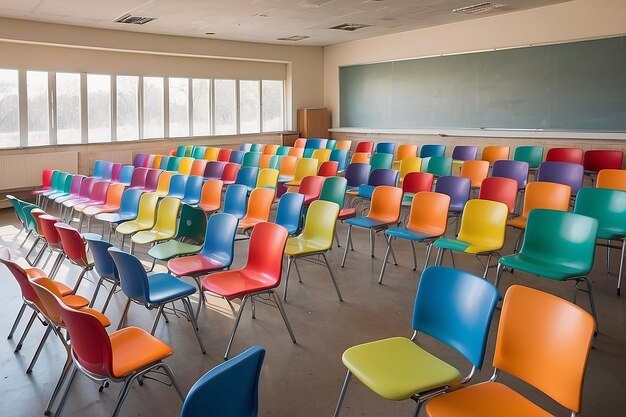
313,122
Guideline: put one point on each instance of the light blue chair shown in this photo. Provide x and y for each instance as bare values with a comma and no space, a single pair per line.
386,147
341,157
177,186
126,174
193,190
236,200
245,147
428,151
247,176
289,212
104,266
129,207
237,156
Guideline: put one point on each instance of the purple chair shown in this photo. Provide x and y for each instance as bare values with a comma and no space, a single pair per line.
428,151
516,170
244,147
562,173
458,188
214,170
152,180
356,175
138,179
237,156
86,187
378,177
140,159
74,189
464,153
116,170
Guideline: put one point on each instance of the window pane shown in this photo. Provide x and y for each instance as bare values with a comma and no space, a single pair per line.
68,108
225,107
179,106
37,94
127,107
250,107
99,107
201,107
273,108
9,109
153,107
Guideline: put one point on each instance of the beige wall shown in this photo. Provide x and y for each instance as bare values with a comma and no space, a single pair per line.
576,20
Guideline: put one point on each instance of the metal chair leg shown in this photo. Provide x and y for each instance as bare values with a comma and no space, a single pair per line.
39,349
124,313
372,242
287,278
232,334
284,315
67,391
498,274
80,279
332,277
337,238
122,395
342,394
26,238
17,321
18,347
156,319
166,368
393,255
428,250
348,241
439,257
487,266
385,258
621,267
57,388
414,256
95,293
194,324
109,297
608,256
295,264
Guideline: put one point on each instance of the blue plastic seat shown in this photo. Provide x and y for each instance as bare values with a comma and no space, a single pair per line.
236,200
129,206
432,150
177,186
289,212
126,174
237,156
247,176
152,291
104,266
193,190
385,147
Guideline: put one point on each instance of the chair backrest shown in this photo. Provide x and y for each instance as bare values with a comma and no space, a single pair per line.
330,144
103,263
334,189
386,204
219,239
116,171
410,164
264,161
245,147
270,149
251,159
193,189
54,175
406,151
130,201
224,155
499,189
343,145
247,176
86,187
381,161
62,181
147,207
319,225
288,166
532,155
99,191
442,311
230,172
605,205
596,160
198,152
612,178
475,170
198,166
429,213
464,152
133,277
178,182
311,186
173,163
265,253
163,186
275,161
167,215
214,169
517,170
297,152
341,157
428,151
235,200
357,174
31,216
260,204
545,341
185,165
191,224
385,147
415,182
439,165
283,150
156,161
236,157
289,210
76,182
212,193
299,143
364,147
181,150
17,206
140,159
73,244
152,179
315,143
483,223
49,232
267,178
492,154
360,158
328,169
546,195
383,176
126,174
322,155
46,292
22,279
210,153
257,147
563,173
305,167
571,155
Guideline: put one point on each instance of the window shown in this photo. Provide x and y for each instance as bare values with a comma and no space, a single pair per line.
225,107
273,107
127,107
9,109
153,107
250,106
99,108
68,108
201,106
179,106
37,99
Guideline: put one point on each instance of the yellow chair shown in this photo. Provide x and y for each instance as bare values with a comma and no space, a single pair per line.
145,216
259,206
612,178
322,155
483,226
267,178
305,167
164,227
412,164
270,149
343,144
360,158
184,166
163,186
316,239
404,151
211,154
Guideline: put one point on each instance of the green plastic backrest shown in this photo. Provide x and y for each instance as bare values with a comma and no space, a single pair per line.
533,155
180,151
560,238
17,206
29,220
606,205
54,182
334,189
283,150
381,161
67,187
275,161
61,181
440,166
192,224
198,152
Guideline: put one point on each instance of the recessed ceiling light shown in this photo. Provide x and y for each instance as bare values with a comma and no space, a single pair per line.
478,8
350,27
293,38
134,20
210,33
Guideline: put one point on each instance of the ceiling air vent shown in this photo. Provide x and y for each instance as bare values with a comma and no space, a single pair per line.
293,38
479,8
351,27
134,20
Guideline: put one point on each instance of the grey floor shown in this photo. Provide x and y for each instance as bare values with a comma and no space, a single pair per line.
300,379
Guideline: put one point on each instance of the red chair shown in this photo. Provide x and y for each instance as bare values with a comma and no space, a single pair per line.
229,174
224,155
415,182
260,275
499,189
311,188
46,183
595,161
364,147
74,248
328,169
53,240
573,155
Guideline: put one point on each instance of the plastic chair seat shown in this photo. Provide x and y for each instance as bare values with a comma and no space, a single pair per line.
194,265
165,287
407,199
547,269
149,236
75,201
346,213
87,204
64,198
397,368
366,191
172,248
75,301
299,246
36,273
611,233
404,233
368,223
102,208
487,399
115,217
134,348
285,179
236,284
460,246
132,227
249,223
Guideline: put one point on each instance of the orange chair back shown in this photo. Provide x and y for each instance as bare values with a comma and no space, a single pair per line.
406,151
46,291
360,158
612,178
299,143
211,195
429,213
259,204
495,153
288,166
156,162
386,203
270,150
264,160
114,194
198,166
546,195
545,341
499,189
344,145
297,152
475,170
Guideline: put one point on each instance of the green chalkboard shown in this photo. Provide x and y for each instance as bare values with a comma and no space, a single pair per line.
571,86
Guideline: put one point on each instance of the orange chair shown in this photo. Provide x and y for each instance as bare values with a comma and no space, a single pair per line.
343,144
211,196
287,168
384,211
270,149
612,178
404,151
499,189
198,166
300,143
476,171
495,153
264,161
297,152
210,154
259,206
360,158
544,341
156,162
113,203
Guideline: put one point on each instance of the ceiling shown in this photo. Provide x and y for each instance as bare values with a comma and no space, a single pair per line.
259,20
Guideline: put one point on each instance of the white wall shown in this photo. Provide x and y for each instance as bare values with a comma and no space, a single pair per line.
576,20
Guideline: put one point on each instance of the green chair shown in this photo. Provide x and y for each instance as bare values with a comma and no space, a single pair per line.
198,152
439,166
331,144
334,190
283,150
188,239
557,245
533,155
381,161
608,207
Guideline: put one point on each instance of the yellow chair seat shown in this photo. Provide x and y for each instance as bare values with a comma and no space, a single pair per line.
299,246
488,399
149,236
128,228
397,368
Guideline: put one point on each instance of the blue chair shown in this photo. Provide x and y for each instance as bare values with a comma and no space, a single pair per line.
245,147
247,176
289,212
275,161
237,157
198,152
154,291
398,369
251,159
193,190
107,170
181,150
236,200
315,143
283,150
341,157
129,207
331,144
308,152
230,389
432,150
177,186
126,174
97,168
104,266
385,147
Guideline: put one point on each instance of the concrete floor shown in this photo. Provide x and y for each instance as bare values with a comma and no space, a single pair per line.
300,379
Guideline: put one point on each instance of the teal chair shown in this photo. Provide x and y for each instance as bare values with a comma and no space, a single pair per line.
608,207
533,155
381,161
251,159
334,190
439,166
557,245
399,369
330,144
283,150
198,152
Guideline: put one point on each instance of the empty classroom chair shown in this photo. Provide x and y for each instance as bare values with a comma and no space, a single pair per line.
475,171
492,154
416,182
224,155
247,176
163,186
612,178
571,155
214,169
144,219
385,147
198,152
364,147
360,158
190,233
563,173
229,174
305,167
343,145
289,211
193,190
429,151
237,157
177,186
438,165
596,160
464,153
328,169
152,180
184,167
532,155
499,189
210,154
235,200
404,151
267,178
341,157
381,161
259,207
